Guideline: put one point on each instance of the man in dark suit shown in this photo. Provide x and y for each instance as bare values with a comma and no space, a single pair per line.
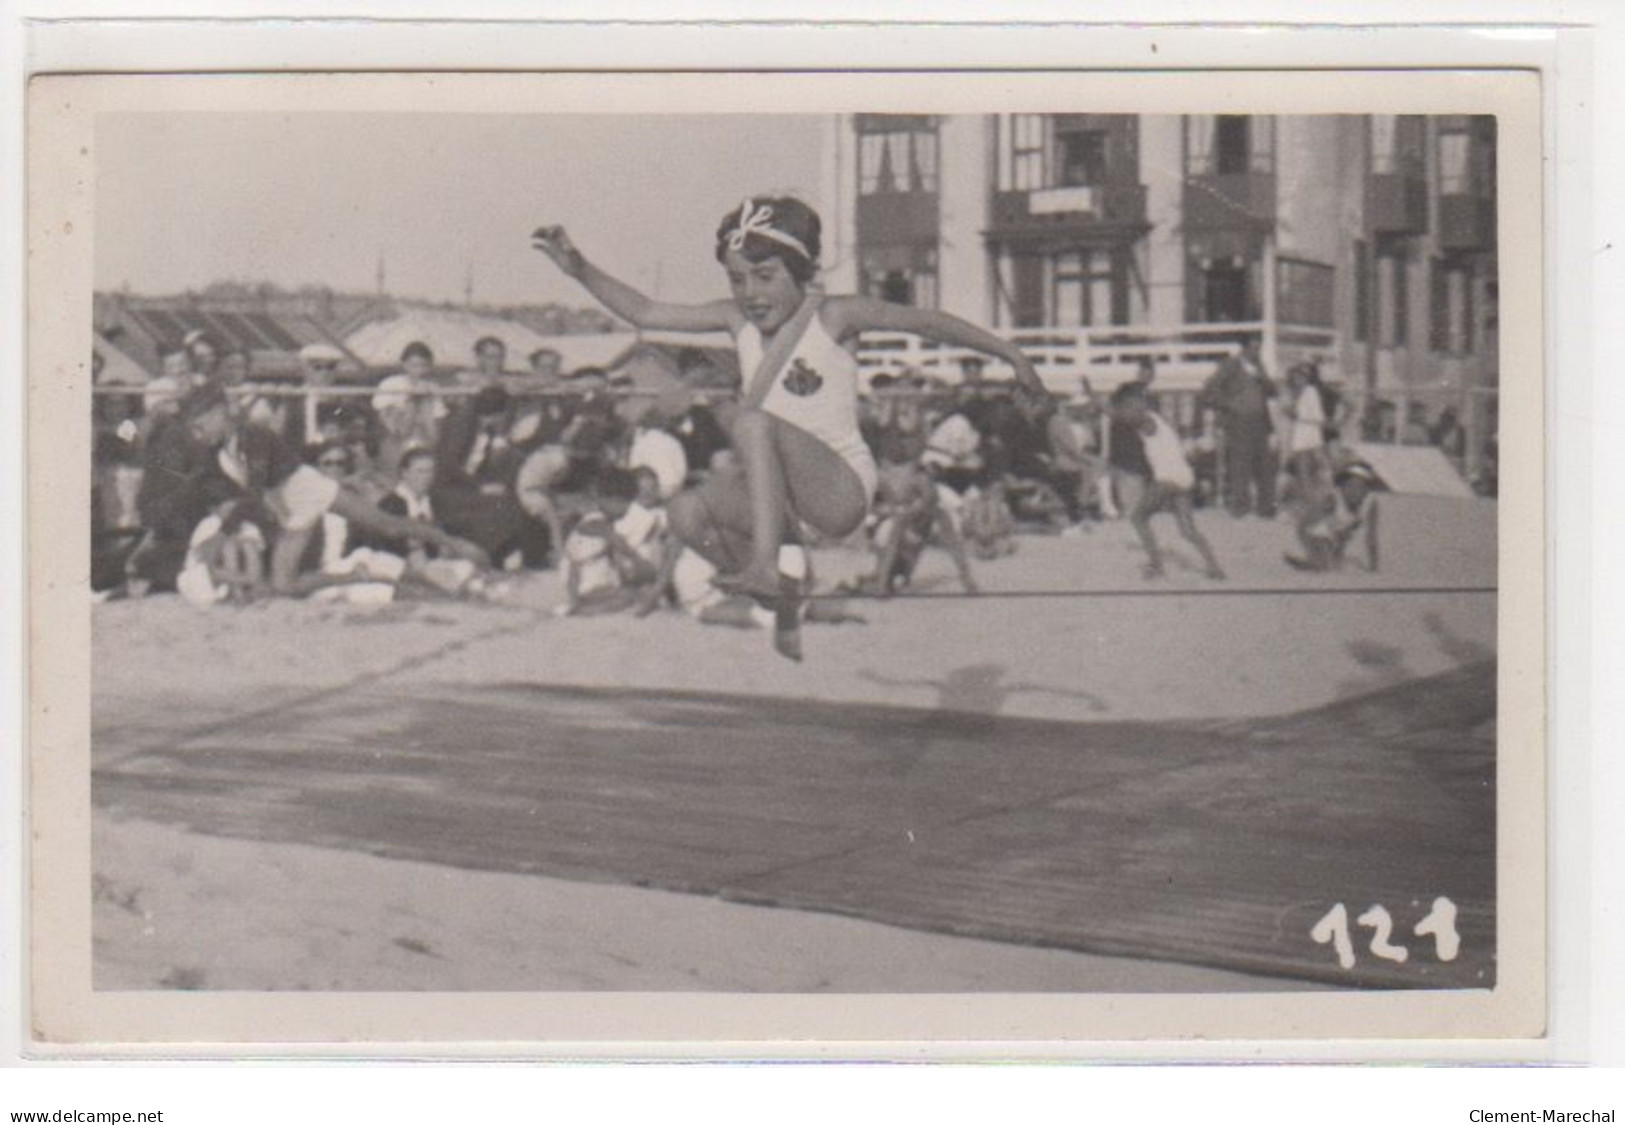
1239,393
476,463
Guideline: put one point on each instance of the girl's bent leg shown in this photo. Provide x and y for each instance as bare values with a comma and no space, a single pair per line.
714,520
755,442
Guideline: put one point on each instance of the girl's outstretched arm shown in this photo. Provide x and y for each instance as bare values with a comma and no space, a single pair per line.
623,300
866,314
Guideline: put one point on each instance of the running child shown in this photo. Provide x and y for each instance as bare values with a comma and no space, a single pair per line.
1327,529
1170,483
801,456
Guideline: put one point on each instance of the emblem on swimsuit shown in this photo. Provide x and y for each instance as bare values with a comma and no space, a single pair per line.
802,379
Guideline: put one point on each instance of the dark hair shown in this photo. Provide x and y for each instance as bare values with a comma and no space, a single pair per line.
414,455
492,400
486,341
616,483
787,216
1130,391
417,348
882,382
589,372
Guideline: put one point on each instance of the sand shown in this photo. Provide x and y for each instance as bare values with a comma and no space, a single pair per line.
175,909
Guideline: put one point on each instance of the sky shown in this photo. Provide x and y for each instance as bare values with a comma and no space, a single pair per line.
183,199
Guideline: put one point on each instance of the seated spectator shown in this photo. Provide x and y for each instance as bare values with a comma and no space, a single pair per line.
345,569
425,564
643,526
578,437
478,466
655,448
225,554
1344,511
289,495
691,580
602,572
408,413
179,455
953,453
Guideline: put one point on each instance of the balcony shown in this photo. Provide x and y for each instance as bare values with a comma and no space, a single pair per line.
1396,203
1232,201
1466,222
1115,210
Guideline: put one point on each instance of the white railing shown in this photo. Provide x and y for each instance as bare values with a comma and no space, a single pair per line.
1185,354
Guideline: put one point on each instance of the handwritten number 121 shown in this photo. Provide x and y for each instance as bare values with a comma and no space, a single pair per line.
1439,924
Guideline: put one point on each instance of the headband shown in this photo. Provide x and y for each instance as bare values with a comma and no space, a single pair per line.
759,221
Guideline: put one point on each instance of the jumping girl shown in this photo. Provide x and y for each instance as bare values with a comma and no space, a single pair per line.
795,432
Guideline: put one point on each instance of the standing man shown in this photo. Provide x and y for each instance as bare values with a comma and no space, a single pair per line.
1239,393
318,367
490,358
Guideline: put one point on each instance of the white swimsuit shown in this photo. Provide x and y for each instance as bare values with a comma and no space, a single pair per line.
816,391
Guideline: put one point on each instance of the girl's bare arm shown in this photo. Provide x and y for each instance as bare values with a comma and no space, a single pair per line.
852,315
624,301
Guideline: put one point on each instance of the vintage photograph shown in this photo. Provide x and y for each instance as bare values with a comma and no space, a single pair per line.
999,552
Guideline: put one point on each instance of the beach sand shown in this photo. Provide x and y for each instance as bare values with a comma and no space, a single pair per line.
1086,640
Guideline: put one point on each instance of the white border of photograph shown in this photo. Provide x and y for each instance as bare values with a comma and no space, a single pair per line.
66,1010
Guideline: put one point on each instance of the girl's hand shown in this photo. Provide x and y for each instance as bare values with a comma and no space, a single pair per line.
556,244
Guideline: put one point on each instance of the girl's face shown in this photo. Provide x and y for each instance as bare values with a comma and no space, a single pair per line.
765,291
418,367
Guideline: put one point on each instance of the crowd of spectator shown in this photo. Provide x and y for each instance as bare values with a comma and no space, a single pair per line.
429,483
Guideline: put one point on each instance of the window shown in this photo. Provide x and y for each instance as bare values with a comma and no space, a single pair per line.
1451,313
1231,148
1393,301
1027,297
1229,145
901,283
896,159
1083,158
1027,151
1082,289
1304,293
1225,293
1396,143
1466,148
1455,176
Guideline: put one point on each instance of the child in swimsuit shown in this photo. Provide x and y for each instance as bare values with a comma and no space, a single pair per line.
800,455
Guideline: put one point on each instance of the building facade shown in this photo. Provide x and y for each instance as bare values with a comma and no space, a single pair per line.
1366,243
